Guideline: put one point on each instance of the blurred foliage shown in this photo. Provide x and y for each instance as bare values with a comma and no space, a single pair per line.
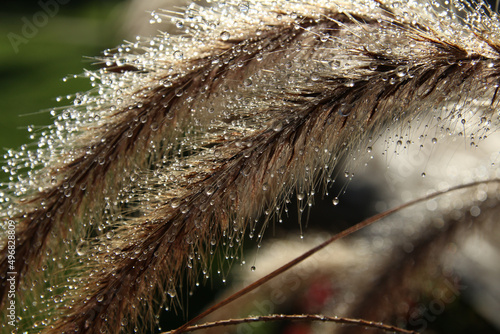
31,78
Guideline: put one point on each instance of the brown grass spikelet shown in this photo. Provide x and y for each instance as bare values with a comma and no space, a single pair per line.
186,141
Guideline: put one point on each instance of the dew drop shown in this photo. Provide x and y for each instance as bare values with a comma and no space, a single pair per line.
423,174
434,140
252,268
315,77
209,191
244,7
349,83
334,64
178,55
277,126
225,35
336,201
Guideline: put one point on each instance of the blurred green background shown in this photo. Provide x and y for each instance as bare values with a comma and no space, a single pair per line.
31,78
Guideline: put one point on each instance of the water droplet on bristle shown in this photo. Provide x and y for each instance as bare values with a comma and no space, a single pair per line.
225,35
178,55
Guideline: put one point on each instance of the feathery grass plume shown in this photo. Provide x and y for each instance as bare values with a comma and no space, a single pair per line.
187,140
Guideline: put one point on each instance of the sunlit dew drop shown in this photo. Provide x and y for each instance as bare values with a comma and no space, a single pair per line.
252,268
300,196
225,35
423,174
171,293
336,201
277,126
244,7
178,55
248,82
80,249
349,83
334,64
434,140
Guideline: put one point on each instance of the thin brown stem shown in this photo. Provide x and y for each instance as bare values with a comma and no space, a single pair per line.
316,249
298,317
